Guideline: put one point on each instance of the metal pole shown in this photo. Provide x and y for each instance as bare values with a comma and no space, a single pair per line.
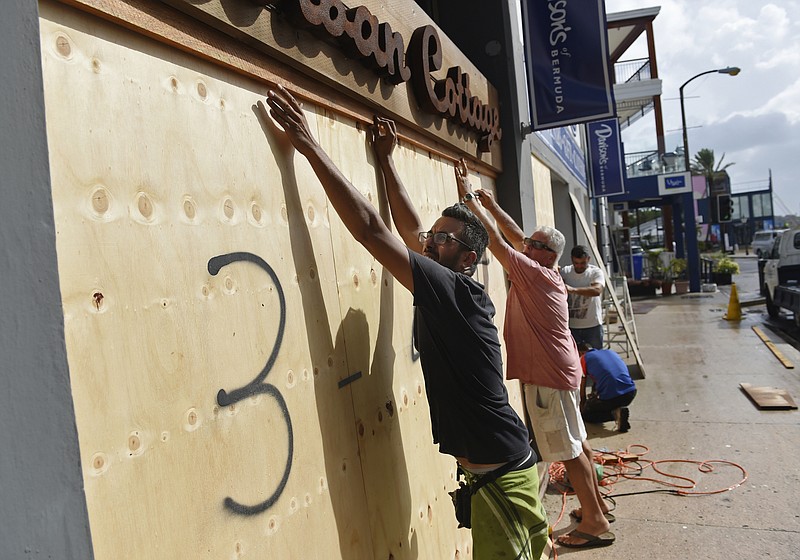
683,117
690,237
605,245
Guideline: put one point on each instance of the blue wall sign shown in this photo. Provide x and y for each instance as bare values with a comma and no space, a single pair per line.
565,144
605,158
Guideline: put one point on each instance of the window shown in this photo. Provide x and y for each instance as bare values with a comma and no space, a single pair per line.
762,205
741,207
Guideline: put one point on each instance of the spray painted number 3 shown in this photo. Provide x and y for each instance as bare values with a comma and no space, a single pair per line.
257,386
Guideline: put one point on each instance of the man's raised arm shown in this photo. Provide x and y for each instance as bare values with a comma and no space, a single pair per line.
404,215
359,216
508,227
479,202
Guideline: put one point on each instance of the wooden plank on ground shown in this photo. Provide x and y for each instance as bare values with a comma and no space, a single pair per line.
769,398
774,349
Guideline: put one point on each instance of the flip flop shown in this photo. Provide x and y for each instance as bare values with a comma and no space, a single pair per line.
609,516
592,541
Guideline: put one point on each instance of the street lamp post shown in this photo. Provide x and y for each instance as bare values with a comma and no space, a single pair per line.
732,71
692,253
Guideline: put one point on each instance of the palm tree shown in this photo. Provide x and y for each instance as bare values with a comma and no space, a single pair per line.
704,164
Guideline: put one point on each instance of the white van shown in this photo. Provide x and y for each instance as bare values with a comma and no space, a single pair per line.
763,241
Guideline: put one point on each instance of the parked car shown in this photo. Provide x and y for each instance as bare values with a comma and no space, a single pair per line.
764,240
780,275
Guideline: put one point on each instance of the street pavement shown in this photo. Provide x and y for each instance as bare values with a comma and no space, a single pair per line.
690,409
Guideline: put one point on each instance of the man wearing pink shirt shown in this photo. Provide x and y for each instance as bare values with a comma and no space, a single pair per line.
542,354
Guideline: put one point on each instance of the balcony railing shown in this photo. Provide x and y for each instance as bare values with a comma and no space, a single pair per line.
632,70
640,164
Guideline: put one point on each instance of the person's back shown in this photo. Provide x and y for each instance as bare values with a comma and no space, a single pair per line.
609,373
613,388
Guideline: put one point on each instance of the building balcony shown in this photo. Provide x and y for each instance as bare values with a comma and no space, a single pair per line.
642,164
635,90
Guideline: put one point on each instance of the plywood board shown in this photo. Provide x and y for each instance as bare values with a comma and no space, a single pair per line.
159,166
216,311
773,348
543,194
770,398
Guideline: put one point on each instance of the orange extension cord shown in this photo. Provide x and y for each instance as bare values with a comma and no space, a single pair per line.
618,469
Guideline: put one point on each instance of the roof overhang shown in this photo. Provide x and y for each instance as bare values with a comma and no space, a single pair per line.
625,27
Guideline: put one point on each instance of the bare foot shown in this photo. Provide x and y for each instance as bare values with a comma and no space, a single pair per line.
577,513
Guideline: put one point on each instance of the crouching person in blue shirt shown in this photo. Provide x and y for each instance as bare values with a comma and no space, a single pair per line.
613,389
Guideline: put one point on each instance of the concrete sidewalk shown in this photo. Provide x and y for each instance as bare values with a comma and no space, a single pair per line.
690,407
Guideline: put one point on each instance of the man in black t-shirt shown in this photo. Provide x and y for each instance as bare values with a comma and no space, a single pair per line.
454,333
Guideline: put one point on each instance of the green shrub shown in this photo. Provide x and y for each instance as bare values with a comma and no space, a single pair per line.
677,268
726,266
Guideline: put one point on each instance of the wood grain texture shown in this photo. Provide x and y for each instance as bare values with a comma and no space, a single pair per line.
160,167
242,35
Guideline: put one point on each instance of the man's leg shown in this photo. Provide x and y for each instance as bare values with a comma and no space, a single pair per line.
597,411
560,432
594,337
577,334
508,520
584,481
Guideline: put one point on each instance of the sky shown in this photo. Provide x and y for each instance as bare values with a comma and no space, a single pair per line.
753,118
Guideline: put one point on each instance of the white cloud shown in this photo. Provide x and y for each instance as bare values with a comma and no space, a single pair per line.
755,117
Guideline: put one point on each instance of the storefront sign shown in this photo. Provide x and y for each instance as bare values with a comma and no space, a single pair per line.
567,62
360,33
605,158
674,183
565,144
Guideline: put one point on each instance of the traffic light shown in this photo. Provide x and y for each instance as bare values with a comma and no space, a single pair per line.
724,208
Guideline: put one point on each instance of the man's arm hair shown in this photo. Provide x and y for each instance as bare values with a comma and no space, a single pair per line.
497,244
359,216
506,224
595,289
404,215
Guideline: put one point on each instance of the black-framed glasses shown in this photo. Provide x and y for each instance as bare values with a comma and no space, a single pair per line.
440,238
536,244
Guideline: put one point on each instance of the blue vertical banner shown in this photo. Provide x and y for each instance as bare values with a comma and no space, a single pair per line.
566,48
605,158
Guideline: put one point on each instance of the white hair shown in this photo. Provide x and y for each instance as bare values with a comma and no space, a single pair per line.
555,240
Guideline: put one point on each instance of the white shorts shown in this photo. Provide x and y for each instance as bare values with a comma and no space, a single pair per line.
557,423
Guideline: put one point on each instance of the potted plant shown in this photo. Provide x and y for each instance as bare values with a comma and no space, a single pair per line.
724,269
657,274
677,269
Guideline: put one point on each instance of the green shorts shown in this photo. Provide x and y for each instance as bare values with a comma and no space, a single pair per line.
508,520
